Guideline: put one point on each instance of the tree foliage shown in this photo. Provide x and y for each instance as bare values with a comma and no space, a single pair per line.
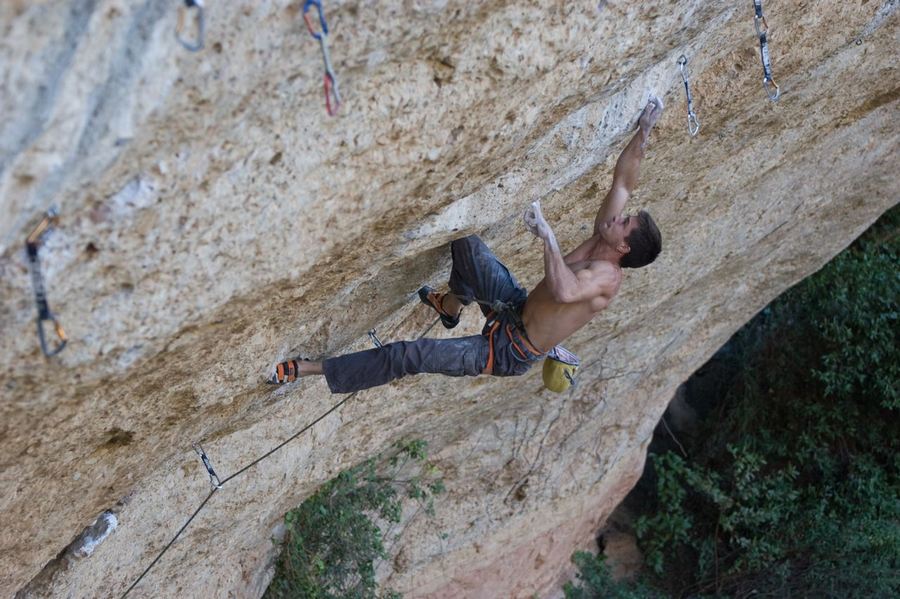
332,542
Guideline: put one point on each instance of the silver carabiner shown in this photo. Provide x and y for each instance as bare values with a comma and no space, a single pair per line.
693,121
774,97
693,124
374,339
198,19
213,477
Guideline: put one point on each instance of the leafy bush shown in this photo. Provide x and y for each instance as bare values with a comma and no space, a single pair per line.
332,544
595,582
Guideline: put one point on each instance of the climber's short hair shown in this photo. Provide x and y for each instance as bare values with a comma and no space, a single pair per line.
645,243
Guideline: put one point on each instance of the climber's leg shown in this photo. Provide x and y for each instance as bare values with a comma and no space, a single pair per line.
478,274
462,356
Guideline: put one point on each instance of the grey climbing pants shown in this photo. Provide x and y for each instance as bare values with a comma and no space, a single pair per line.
502,349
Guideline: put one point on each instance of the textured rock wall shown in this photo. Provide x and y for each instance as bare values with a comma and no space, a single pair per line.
215,220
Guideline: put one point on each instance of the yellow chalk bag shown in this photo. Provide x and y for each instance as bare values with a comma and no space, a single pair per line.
560,366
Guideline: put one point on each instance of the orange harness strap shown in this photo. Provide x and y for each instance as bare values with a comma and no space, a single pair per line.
489,367
528,345
515,345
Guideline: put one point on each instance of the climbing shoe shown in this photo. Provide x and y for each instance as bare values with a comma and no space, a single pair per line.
435,300
286,372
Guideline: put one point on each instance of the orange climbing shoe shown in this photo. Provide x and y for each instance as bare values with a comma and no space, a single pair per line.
435,300
286,372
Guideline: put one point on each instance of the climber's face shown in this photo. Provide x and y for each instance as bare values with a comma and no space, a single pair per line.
614,232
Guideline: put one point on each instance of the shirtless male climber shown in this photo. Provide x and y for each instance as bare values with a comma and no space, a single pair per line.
574,289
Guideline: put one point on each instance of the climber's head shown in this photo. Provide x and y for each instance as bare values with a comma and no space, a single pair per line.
644,242
635,238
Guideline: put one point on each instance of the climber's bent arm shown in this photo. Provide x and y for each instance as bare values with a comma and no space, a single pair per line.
569,287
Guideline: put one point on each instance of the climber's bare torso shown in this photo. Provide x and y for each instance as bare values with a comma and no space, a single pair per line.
579,285
549,322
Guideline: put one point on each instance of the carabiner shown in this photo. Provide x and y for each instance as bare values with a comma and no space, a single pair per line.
198,19
32,246
63,339
693,122
774,97
308,19
760,31
50,218
332,97
373,337
213,477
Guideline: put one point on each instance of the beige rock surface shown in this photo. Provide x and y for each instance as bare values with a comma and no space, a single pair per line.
215,220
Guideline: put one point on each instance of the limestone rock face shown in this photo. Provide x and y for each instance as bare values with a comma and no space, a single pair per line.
214,220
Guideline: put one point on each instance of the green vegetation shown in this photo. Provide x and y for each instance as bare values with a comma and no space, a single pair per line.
332,543
595,582
792,484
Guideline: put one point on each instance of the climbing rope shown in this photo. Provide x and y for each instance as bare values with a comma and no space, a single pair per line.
218,484
762,31
332,95
32,246
693,123
195,7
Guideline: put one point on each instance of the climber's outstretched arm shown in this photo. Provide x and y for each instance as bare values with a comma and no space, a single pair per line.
625,176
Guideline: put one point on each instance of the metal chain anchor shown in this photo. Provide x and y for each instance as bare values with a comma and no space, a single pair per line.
762,31
32,245
693,122
332,94
213,478
199,21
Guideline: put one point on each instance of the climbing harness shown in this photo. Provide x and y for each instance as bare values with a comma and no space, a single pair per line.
32,245
213,478
195,8
497,309
374,339
693,123
560,364
762,31
332,95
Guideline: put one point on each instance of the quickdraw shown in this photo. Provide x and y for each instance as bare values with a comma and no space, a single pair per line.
213,478
374,339
693,123
762,31
32,245
199,20
332,95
